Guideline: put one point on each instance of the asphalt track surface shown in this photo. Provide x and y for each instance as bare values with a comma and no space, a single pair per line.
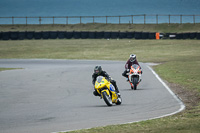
56,95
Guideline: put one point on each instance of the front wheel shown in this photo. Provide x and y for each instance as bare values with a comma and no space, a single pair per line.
107,98
135,82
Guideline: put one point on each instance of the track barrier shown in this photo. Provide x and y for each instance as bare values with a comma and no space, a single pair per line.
37,35
21,35
114,35
84,35
16,35
107,35
157,36
53,34
29,34
91,35
69,34
61,34
45,34
5,35
130,35
100,35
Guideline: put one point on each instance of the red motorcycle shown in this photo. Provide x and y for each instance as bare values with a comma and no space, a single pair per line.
134,76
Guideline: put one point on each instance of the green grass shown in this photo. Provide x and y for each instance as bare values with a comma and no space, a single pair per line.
180,65
163,28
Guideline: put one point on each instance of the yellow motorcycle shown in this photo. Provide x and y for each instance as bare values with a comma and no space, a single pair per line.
107,91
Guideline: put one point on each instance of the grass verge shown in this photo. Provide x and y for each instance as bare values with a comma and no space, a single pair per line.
163,28
4,69
180,67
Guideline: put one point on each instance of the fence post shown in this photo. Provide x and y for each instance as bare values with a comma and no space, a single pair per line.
194,19
40,20
66,19
12,20
26,20
132,18
144,18
157,19
169,19
181,19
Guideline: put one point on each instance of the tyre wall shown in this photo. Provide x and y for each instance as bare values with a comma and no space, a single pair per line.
15,35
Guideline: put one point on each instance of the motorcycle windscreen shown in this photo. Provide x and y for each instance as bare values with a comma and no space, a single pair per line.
99,78
135,66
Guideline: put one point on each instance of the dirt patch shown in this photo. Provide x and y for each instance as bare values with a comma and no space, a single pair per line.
190,98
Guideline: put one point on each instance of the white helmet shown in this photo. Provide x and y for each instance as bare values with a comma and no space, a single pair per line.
132,57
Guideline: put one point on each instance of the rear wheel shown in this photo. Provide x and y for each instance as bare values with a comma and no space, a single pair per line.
107,98
119,101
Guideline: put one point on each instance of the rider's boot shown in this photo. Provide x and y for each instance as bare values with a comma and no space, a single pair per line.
117,91
96,93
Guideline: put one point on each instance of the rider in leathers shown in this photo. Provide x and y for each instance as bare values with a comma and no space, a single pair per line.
99,72
132,60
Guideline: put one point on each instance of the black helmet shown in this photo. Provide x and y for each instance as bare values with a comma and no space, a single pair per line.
97,70
132,57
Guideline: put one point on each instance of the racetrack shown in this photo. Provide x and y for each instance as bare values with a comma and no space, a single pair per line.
56,95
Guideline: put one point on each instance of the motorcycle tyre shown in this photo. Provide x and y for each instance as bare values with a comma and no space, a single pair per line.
135,82
119,101
107,99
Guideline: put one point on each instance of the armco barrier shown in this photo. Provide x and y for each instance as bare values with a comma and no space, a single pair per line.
45,34
61,34
14,35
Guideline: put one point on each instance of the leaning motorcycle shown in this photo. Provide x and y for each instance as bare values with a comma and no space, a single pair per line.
107,91
134,76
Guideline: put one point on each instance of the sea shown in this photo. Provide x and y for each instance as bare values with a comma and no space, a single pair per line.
82,11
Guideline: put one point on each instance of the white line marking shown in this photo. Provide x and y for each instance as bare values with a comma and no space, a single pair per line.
182,106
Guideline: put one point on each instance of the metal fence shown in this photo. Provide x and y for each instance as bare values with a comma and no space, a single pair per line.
126,19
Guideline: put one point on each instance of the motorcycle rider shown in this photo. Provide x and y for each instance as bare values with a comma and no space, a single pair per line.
132,60
99,72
